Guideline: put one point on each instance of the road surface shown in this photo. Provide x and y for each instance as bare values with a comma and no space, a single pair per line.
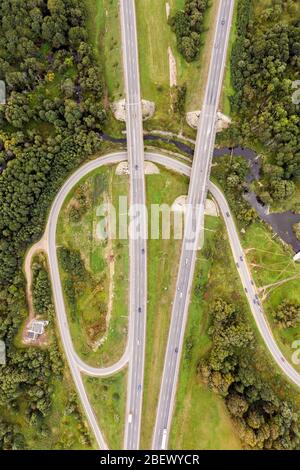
138,233
194,221
75,364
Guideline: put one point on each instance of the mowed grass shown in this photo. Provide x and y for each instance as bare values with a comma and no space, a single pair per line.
227,90
201,420
105,36
108,399
105,292
270,263
155,36
163,259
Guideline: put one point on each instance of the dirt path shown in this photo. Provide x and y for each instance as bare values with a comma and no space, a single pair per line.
172,68
264,289
36,248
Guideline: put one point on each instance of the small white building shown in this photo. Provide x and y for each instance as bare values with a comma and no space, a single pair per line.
36,329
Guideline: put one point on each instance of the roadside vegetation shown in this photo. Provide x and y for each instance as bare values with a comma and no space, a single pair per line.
104,31
201,420
94,271
33,421
264,66
108,399
51,122
278,279
155,37
229,357
163,259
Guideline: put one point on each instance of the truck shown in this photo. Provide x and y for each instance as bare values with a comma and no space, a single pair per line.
164,439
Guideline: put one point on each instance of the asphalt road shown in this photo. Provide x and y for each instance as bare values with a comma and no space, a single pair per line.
75,363
193,236
138,233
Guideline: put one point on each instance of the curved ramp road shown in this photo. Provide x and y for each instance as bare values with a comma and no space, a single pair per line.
194,221
75,363
138,234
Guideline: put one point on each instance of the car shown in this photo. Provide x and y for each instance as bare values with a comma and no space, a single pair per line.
241,258
138,342
136,167
246,290
143,251
252,282
139,388
181,294
130,418
139,309
237,265
282,358
227,214
176,350
223,21
186,261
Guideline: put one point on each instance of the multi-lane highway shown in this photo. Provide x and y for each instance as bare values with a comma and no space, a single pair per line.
194,221
75,363
138,233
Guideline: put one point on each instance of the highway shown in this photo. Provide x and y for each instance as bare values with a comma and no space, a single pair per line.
193,236
137,233
75,363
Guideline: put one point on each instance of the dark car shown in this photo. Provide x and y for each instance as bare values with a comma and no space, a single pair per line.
176,350
139,309
223,21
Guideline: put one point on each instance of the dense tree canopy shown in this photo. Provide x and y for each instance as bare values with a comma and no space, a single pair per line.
264,420
50,124
188,26
265,64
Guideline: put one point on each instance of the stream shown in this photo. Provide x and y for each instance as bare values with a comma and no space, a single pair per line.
281,222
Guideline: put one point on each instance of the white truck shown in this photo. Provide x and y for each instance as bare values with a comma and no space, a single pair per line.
164,439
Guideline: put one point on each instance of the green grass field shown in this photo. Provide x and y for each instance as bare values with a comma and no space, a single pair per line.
201,420
155,36
104,294
105,36
108,399
163,258
271,263
227,90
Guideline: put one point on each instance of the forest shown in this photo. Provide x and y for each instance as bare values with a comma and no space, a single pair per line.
265,63
263,417
49,125
187,24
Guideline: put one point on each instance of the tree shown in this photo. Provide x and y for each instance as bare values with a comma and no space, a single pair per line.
287,314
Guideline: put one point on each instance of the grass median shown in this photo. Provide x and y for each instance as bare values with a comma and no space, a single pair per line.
96,299
155,37
108,399
201,420
163,259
